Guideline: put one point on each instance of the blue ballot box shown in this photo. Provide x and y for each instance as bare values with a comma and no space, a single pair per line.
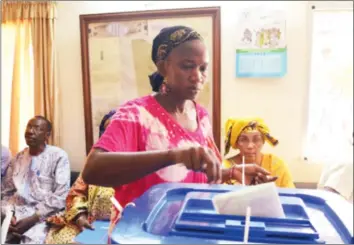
97,236
183,213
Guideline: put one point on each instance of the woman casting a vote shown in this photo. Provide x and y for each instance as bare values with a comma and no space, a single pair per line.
164,137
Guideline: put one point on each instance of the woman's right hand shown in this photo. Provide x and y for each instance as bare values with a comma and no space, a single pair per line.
82,222
198,158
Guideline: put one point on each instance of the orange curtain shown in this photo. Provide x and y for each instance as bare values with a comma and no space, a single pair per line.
28,65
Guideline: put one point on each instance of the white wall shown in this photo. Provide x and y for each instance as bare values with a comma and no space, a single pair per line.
281,102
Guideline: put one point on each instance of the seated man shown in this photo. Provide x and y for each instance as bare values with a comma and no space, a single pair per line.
36,184
338,178
5,160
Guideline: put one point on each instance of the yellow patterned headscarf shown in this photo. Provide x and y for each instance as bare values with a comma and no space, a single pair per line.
234,128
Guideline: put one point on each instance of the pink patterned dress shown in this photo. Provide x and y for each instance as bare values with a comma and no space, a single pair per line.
142,125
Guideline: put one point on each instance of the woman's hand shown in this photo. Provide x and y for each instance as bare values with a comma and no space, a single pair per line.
261,179
253,174
201,159
82,222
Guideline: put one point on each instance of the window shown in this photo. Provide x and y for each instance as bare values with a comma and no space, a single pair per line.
17,87
7,61
330,119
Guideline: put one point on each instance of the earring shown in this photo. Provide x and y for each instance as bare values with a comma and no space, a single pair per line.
163,88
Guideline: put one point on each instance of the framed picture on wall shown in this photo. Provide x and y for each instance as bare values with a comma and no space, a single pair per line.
116,60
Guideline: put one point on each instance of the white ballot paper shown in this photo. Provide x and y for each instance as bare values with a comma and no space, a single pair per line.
263,200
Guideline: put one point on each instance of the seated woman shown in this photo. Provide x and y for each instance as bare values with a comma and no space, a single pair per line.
84,204
248,136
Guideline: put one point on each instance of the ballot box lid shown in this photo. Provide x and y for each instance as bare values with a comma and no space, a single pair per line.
177,213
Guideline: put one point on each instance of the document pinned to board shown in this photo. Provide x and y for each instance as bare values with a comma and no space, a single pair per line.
263,200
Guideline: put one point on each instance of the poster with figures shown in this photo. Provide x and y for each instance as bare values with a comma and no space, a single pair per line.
261,44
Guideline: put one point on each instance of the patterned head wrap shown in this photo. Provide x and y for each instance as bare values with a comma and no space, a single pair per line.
234,128
103,121
168,39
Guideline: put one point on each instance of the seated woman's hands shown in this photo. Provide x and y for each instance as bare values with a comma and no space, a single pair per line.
203,159
198,158
261,179
82,222
254,174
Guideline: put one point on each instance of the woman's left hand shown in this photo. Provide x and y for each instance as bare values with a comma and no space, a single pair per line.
252,171
261,179
83,223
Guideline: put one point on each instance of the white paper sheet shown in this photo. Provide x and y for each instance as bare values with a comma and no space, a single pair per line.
263,200
5,225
